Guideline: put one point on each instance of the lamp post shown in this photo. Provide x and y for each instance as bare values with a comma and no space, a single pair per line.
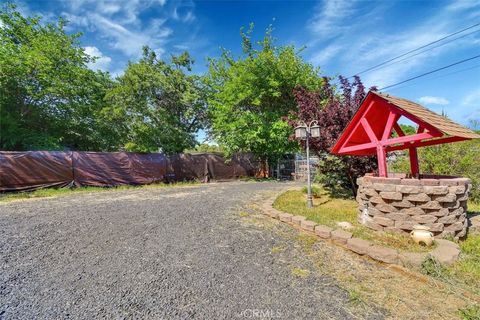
305,132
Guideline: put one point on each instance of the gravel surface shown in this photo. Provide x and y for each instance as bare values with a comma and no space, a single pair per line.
166,253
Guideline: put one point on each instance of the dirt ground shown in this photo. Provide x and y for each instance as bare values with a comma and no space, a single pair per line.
200,252
402,293
171,253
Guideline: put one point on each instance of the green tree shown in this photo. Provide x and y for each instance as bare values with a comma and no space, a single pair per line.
205,148
157,104
407,129
250,96
459,158
49,99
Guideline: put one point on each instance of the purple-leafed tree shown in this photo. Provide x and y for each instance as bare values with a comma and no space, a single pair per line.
333,110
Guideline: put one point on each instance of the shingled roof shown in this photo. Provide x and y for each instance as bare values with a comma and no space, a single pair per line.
371,130
442,123
380,113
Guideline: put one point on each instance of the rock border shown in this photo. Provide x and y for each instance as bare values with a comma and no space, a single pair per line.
446,252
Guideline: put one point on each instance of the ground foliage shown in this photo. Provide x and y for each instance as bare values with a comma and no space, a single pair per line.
157,104
333,109
51,100
250,95
460,158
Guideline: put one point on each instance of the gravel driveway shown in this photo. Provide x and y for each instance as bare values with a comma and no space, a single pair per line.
166,253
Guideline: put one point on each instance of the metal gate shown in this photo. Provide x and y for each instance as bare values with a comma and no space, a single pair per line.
301,168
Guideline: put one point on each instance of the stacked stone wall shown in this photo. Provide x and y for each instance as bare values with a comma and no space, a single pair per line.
397,204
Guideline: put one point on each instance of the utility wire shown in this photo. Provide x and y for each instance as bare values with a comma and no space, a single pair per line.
414,50
443,75
426,50
430,72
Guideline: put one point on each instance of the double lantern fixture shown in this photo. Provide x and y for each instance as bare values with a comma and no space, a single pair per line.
305,132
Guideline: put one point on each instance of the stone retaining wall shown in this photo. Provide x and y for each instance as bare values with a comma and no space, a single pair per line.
397,204
445,253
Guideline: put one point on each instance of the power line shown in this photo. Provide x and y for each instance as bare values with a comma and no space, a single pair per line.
414,50
443,75
426,50
430,72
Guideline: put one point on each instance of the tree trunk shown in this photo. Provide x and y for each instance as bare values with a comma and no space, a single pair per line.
352,182
265,167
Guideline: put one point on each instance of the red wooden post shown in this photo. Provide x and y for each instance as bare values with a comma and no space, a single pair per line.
360,138
382,161
392,119
414,169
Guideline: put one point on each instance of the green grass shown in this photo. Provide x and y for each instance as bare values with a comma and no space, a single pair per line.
470,313
257,179
355,296
464,272
58,192
299,272
307,241
277,249
467,269
473,207
328,211
317,191
432,268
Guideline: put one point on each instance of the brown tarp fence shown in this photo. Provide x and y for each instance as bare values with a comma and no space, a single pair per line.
40,169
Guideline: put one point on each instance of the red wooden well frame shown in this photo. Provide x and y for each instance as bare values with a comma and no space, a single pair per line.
370,130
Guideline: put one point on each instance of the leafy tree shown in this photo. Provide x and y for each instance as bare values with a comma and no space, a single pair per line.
249,96
205,147
407,129
333,111
49,99
459,158
157,104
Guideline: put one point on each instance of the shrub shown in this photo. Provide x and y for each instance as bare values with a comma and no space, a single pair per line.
316,191
333,110
457,159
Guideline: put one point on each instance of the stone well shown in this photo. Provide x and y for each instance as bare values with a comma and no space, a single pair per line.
398,203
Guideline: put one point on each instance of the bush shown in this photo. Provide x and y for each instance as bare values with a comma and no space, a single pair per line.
333,109
331,174
316,191
457,159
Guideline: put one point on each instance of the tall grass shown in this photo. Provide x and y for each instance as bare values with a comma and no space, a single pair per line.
467,268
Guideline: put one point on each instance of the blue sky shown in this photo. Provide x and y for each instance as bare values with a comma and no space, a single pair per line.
342,37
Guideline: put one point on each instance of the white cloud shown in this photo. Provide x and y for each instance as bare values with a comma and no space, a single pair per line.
463,4
182,46
391,46
366,45
329,16
472,99
433,100
326,54
127,11
79,21
109,7
117,72
188,16
101,61
118,22
131,42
